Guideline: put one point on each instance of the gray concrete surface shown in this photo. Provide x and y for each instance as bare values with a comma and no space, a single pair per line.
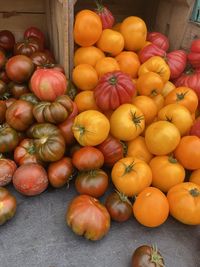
38,237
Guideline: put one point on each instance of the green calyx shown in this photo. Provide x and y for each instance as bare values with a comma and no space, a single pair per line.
137,119
80,129
129,168
180,96
100,7
156,257
113,80
194,192
123,197
31,150
171,159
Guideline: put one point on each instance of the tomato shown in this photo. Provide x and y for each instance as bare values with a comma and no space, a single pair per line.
55,112
178,115
36,33
50,144
194,55
8,138
111,42
88,217
151,207
119,207
29,97
87,55
112,150
85,77
195,177
18,90
19,115
4,76
91,128
27,47
184,203
131,175
8,205
158,65
168,88
7,40
184,96
2,111
134,31
48,80
19,68
127,122
88,158
93,182
188,152
42,59
147,256
129,63
147,106
4,93
25,152
195,129
2,59
105,15
149,51
167,172
137,148
105,65
85,101
159,39
30,179
87,28
162,137
7,169
114,89
177,61
60,172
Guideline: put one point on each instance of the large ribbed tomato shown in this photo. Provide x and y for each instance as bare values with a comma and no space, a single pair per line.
159,40
150,51
177,62
194,55
105,15
114,89
48,84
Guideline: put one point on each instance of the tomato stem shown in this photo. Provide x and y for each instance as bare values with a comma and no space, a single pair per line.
194,192
123,197
99,5
136,119
156,257
171,159
181,96
113,80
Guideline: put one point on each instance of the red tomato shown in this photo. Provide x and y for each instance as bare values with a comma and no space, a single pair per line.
158,39
7,169
7,40
35,32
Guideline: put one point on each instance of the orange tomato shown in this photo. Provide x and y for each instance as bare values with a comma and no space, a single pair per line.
178,115
87,28
137,148
162,137
130,176
167,172
85,101
147,106
85,77
184,203
158,65
87,55
159,101
111,42
129,63
134,31
195,177
151,207
184,96
90,128
149,84
116,27
105,65
188,152
127,122
168,87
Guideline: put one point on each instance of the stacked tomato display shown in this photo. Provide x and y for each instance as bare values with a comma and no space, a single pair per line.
131,123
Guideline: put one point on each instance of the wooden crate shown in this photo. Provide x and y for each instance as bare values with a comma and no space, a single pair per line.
51,16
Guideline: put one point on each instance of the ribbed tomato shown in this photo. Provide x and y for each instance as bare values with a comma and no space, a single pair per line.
158,39
177,63
105,15
7,169
114,89
194,55
150,51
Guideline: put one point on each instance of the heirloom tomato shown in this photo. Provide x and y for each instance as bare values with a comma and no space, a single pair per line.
195,177
7,169
8,205
87,55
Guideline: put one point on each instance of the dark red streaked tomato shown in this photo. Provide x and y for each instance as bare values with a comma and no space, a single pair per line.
7,169
7,40
8,205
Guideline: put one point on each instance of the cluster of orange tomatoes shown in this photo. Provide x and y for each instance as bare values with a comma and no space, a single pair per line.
154,124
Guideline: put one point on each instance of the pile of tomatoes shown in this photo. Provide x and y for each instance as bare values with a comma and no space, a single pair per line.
131,119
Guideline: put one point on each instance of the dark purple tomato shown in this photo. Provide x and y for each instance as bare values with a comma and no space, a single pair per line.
7,40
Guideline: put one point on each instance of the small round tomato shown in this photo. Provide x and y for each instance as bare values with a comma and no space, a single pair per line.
188,152
131,175
59,172
30,179
184,203
93,183
88,217
151,207
147,256
8,205
167,172
7,169
195,177
87,158
127,122
119,206
162,137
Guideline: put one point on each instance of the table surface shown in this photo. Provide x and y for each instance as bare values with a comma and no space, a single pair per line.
38,236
